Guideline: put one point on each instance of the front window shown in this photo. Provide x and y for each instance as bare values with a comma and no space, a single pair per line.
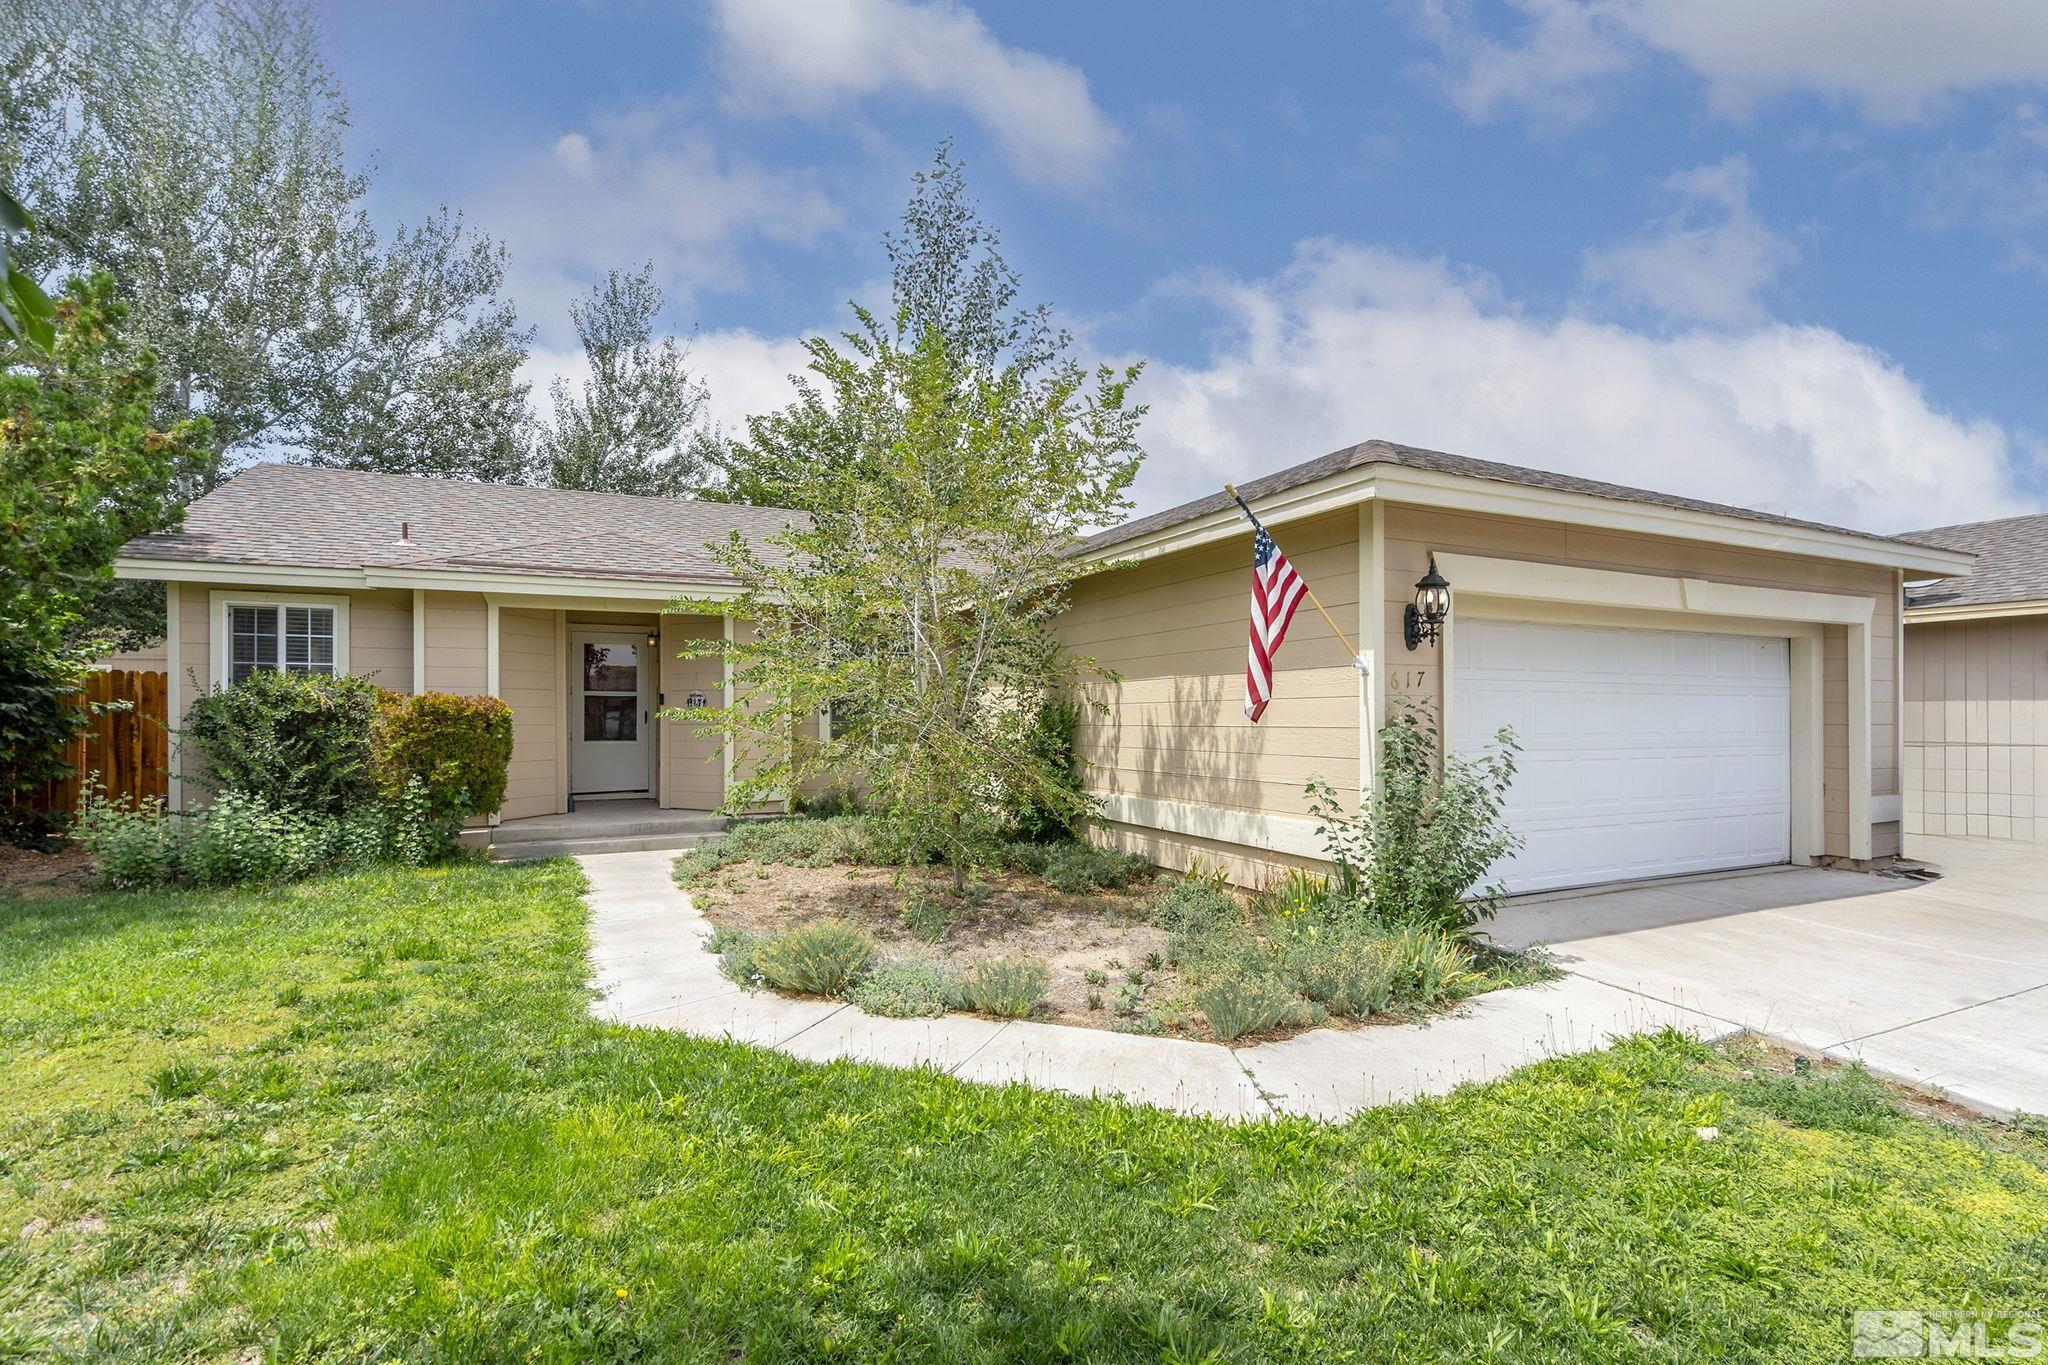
293,639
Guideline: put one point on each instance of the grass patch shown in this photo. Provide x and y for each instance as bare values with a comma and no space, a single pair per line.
446,1158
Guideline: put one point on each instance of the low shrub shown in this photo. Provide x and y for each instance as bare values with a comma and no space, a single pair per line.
457,748
736,949
902,990
1197,905
1350,973
1076,867
800,842
299,742
1428,965
1004,986
1240,1001
822,957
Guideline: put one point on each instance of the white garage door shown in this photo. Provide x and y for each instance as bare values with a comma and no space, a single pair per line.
1645,753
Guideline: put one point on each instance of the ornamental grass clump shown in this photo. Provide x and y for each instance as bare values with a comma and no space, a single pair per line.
822,957
902,990
1007,987
1239,1001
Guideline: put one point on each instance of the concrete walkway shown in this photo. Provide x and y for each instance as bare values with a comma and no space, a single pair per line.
647,952
1942,984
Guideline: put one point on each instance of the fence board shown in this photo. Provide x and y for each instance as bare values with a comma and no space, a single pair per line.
126,742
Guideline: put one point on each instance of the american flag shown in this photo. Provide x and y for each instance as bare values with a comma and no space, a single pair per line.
1276,591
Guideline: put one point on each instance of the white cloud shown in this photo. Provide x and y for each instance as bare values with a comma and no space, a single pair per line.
1351,342
649,183
2000,187
1896,60
1707,259
819,58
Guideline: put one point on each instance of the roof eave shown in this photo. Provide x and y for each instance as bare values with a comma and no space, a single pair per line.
1468,493
431,579
1976,611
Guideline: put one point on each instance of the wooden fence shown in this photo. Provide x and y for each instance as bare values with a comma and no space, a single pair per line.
127,743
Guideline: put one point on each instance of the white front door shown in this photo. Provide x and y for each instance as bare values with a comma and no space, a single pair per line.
609,722
1645,753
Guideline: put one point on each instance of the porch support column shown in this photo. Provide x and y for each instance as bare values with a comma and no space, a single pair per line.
419,641
1859,741
1372,639
1809,732
491,687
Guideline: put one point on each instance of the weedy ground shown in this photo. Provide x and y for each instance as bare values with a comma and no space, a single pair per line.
370,1117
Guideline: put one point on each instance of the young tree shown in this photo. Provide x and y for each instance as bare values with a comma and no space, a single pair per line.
193,150
83,467
634,427
953,461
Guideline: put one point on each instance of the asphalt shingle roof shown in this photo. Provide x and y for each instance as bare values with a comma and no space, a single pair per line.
1437,461
342,518
2012,563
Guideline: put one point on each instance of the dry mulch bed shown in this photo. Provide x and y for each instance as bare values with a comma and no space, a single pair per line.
28,875
1020,915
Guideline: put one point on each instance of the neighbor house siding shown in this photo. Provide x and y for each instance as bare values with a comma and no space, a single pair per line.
1172,725
1977,728
1414,533
530,681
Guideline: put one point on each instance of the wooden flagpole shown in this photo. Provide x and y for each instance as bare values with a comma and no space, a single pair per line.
1231,489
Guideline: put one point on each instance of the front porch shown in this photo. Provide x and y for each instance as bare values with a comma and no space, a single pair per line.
614,826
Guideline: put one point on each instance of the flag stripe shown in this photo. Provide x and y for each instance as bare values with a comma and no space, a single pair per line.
1277,591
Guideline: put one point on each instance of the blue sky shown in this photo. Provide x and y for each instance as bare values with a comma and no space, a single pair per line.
1786,253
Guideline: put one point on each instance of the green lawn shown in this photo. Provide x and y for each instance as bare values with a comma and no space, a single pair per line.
368,1117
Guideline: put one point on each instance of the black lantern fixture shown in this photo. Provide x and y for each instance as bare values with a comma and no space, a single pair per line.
654,639
1425,617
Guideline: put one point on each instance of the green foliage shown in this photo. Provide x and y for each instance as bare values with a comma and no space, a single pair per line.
462,1157
820,957
1050,741
635,427
947,457
929,916
1426,837
25,310
1351,974
1238,1001
735,949
39,715
180,1080
195,152
1194,906
458,748
1849,1100
1007,987
902,990
1429,964
1076,867
299,741
802,842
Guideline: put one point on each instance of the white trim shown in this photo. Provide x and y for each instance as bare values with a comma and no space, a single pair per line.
419,641
1288,834
725,699
1898,711
218,602
491,668
1372,639
1859,741
174,693
566,679
638,591
1528,580
1457,492
1985,611
1809,748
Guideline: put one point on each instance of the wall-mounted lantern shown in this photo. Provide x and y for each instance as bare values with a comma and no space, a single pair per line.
1425,617
654,639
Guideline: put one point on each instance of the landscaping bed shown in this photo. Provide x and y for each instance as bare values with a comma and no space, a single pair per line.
1064,933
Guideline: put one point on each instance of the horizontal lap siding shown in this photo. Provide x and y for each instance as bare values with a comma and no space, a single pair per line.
1413,533
693,768
456,635
530,680
1977,728
1173,726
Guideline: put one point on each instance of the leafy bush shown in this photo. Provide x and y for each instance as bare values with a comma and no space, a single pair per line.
39,717
1004,986
457,748
1350,973
902,990
299,742
239,837
1426,837
736,949
802,842
822,957
1075,867
1240,1001
1043,818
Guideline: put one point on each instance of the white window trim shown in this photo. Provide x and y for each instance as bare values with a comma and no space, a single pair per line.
223,645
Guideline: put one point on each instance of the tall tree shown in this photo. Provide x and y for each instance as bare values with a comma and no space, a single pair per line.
634,425
946,459
193,149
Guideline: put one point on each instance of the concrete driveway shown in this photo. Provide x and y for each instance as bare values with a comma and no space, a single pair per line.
1941,983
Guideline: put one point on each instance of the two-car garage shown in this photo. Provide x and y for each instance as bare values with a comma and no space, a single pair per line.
1645,753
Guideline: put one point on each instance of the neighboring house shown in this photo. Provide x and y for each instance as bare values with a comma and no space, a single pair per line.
550,599
1695,686
1977,686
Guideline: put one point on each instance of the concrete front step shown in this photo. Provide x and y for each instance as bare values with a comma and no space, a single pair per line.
521,849
556,830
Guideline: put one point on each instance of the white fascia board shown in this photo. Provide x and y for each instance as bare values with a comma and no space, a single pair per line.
638,591
1461,493
1977,611
1535,581
265,575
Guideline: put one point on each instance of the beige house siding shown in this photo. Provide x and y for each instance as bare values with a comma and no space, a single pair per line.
1977,728
1414,533
530,680
1173,630
692,769
456,634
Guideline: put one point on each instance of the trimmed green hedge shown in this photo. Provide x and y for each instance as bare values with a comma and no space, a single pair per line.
458,747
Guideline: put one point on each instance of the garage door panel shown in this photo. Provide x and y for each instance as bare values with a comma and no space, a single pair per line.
1645,753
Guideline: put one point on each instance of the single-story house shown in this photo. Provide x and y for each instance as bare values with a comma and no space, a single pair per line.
1977,686
550,599
1695,686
